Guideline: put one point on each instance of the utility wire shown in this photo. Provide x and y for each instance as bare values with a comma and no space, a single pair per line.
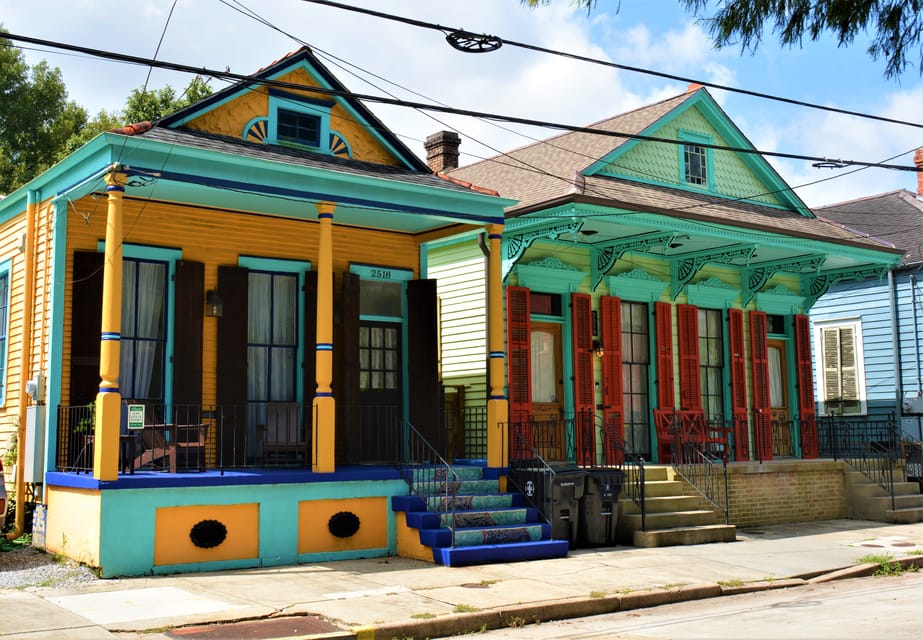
606,63
228,75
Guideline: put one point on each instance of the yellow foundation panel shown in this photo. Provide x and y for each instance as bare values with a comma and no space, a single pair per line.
314,524
175,528
73,525
408,541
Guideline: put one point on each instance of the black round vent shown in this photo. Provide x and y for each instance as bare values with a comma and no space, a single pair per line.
343,524
208,533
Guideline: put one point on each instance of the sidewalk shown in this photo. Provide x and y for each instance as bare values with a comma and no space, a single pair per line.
385,597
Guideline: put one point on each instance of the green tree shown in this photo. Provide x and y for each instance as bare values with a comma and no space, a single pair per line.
155,104
895,26
36,118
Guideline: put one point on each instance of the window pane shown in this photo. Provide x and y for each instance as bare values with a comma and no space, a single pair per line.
380,298
258,373
260,306
544,388
285,307
776,396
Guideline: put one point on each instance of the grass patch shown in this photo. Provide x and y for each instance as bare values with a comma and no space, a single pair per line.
735,582
423,616
597,594
672,585
516,622
885,562
464,608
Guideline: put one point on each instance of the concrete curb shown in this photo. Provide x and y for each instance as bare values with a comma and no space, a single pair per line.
520,615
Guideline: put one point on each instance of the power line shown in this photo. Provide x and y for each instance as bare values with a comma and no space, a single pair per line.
228,75
450,31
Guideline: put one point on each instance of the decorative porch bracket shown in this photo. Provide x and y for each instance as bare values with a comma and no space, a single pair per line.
684,268
515,244
757,276
819,284
607,254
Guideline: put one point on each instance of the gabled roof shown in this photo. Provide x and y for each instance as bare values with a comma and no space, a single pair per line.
567,169
895,217
300,58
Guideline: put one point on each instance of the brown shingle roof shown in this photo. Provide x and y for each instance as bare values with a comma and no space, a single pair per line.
895,217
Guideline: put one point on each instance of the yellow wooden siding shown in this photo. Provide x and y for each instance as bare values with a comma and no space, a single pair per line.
230,119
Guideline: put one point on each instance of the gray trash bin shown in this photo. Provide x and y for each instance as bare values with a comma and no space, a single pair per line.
600,507
567,488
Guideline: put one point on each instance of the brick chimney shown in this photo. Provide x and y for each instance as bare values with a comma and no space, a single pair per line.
442,151
918,160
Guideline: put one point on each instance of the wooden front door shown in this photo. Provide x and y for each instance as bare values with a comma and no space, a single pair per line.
548,391
380,393
778,400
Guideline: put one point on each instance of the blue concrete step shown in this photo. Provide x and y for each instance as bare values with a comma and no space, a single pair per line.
473,536
490,553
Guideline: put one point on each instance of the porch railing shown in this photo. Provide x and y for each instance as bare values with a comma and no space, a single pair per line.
429,476
872,447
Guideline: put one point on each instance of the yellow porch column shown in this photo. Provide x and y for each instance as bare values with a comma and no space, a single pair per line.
324,414
497,406
109,400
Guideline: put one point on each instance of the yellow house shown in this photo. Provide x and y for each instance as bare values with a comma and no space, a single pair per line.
220,338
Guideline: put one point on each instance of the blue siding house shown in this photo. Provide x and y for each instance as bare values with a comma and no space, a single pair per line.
868,347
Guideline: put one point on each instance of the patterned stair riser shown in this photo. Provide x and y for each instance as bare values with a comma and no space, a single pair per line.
439,473
486,518
468,503
471,537
464,487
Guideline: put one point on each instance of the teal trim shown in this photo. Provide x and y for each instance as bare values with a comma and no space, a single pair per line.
550,279
394,319
297,267
6,267
712,294
292,102
636,285
780,303
56,334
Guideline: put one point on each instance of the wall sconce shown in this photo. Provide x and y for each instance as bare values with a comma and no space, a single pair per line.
598,350
214,307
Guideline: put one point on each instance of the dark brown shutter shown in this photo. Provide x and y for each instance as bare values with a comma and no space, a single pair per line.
188,318
738,384
611,334
233,285
663,321
346,368
584,393
759,356
690,385
423,361
86,324
806,411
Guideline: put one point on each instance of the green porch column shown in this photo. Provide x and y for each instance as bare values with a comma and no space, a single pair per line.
497,406
109,400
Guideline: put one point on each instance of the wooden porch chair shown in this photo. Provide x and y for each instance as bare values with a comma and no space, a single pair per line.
282,437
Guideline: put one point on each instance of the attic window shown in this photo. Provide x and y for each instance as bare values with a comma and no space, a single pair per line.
300,128
696,165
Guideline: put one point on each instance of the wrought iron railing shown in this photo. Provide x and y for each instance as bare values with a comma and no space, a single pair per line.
872,447
429,476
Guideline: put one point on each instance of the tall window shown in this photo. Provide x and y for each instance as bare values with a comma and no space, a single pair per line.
4,327
144,339
711,363
840,374
636,362
272,343
696,166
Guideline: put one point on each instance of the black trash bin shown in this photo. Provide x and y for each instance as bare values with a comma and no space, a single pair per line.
562,507
600,507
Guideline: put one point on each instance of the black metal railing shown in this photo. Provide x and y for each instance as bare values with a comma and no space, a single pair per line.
429,476
475,429
872,447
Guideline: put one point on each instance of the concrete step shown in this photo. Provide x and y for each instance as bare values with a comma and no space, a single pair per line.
658,488
907,515
672,519
661,504
675,536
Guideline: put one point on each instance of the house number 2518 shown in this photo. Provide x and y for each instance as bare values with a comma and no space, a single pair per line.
382,274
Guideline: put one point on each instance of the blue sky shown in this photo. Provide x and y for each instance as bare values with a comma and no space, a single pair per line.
652,34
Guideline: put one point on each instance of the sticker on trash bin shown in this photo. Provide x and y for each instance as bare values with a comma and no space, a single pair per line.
530,488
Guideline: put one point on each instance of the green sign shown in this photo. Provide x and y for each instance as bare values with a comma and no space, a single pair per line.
136,416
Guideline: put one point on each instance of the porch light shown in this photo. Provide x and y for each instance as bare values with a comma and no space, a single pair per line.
598,350
214,307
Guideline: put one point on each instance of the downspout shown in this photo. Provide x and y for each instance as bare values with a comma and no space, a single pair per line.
895,344
28,259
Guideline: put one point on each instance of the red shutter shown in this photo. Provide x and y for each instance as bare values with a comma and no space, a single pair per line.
611,335
738,384
584,388
759,356
519,345
663,319
690,385
808,419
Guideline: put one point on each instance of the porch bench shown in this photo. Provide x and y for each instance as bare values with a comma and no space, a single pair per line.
691,426
181,445
282,436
